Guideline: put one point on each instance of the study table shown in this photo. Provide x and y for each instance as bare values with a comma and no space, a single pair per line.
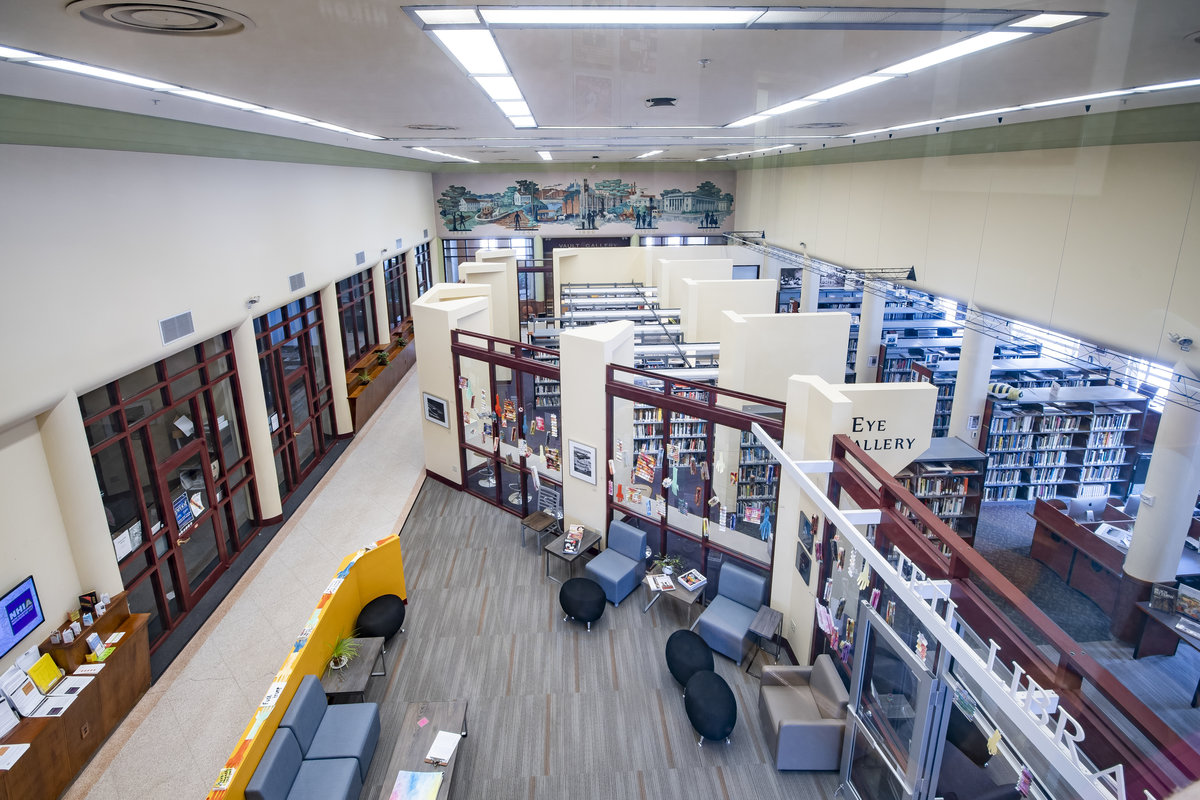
1160,637
418,729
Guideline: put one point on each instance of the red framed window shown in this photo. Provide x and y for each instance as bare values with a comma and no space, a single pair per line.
356,310
395,288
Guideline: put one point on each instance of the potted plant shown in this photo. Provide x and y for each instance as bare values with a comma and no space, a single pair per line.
344,650
668,564
364,376
381,358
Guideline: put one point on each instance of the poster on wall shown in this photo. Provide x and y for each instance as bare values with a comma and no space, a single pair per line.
557,203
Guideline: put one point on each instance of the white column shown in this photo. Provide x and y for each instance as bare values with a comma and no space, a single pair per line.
1172,483
336,360
974,373
810,284
68,456
870,333
258,425
383,326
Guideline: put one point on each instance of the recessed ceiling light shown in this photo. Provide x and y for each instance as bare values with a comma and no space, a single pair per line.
446,155
989,113
14,53
545,155
849,86
1078,99
792,106
499,88
447,16
522,122
474,50
1047,21
215,98
750,120
514,108
951,52
647,155
272,112
100,72
1158,87
585,16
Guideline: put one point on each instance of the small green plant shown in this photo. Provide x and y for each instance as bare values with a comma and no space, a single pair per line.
364,376
343,652
381,357
667,564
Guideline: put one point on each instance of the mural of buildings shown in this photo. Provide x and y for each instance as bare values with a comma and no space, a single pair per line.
581,203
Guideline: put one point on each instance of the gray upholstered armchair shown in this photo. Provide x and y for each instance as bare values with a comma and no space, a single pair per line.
725,624
803,714
620,568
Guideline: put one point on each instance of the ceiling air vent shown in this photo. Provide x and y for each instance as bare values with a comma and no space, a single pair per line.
425,233
660,102
172,17
360,258
430,126
296,282
399,243
177,327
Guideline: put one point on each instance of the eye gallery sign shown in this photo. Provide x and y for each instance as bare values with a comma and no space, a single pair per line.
892,422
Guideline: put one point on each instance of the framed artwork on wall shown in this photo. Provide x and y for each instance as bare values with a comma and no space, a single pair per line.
582,460
435,410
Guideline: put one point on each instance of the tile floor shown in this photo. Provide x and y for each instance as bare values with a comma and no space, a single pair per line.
178,737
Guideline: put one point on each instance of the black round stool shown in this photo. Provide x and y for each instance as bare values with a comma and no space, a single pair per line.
582,599
383,616
710,706
687,654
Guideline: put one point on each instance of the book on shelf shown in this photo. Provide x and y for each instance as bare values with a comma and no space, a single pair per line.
662,583
692,580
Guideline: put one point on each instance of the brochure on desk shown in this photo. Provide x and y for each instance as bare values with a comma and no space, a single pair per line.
416,785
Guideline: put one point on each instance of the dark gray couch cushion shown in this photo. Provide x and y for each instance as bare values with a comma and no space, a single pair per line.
276,772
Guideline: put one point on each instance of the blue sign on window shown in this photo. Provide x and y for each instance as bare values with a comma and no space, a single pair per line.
183,512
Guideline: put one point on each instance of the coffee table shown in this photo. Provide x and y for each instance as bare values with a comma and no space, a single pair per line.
680,593
352,679
413,741
555,548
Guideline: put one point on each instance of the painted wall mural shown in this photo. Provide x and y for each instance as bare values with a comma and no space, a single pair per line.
507,205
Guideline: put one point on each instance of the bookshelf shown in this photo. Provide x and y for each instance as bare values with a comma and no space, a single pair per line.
758,477
1082,442
948,479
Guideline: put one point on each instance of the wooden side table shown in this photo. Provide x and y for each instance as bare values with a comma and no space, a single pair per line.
766,623
680,594
555,548
352,679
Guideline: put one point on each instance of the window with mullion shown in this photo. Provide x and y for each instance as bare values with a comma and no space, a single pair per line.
424,267
395,284
356,310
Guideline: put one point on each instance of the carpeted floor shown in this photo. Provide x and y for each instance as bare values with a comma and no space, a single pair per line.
554,711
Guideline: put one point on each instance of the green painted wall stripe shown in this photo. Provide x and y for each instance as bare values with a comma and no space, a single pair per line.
52,124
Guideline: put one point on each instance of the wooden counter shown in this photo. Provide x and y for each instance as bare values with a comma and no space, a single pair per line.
1078,556
60,747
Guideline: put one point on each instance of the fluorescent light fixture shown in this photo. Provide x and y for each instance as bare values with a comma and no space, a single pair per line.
951,52
545,155
474,50
1158,87
786,107
107,74
1047,20
1078,99
780,147
647,155
991,112
849,86
577,17
272,112
215,98
514,108
339,129
12,52
446,155
632,128
750,120
447,16
522,122
500,88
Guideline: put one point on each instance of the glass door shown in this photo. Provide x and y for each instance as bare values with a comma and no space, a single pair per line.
187,479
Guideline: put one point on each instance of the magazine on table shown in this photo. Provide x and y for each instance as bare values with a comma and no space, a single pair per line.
574,539
692,579
662,583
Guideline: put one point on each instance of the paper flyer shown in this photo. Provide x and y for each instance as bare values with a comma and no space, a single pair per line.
9,753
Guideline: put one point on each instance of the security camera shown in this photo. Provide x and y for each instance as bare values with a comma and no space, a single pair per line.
250,302
1184,342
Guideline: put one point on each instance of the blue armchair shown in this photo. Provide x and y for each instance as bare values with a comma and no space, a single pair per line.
620,568
724,625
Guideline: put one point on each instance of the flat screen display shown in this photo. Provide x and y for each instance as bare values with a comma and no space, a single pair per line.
22,613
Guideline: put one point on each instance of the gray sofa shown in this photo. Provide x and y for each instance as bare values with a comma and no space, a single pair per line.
319,752
803,714
725,624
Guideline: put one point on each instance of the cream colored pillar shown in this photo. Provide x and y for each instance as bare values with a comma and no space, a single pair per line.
497,269
383,328
584,356
870,333
974,375
258,425
68,456
1172,483
810,284
336,360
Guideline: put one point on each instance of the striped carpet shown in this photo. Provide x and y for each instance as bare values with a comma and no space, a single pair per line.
554,710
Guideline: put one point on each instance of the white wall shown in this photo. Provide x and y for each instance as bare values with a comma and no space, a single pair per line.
100,245
1099,242
703,301
671,272
759,352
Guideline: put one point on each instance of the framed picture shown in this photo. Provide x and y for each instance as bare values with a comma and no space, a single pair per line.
803,564
435,410
582,460
1163,597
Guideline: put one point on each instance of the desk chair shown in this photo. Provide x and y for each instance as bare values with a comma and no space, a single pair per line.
547,520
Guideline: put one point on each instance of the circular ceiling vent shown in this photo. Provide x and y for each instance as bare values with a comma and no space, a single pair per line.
430,126
819,125
174,17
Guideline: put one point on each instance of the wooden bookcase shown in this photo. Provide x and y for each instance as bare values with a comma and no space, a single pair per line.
60,747
948,479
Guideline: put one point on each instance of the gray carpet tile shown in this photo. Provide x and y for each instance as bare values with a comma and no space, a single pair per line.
554,710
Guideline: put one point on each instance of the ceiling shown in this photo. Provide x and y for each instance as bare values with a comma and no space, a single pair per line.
367,65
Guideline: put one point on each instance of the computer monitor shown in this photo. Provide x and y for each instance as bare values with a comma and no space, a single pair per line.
1086,509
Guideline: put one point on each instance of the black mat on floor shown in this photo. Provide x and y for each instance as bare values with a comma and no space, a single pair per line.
177,639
